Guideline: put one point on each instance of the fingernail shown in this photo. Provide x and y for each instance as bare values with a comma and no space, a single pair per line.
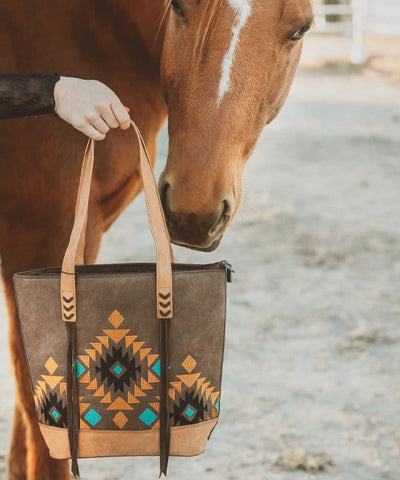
127,109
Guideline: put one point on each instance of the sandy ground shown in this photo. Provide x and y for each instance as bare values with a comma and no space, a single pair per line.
312,371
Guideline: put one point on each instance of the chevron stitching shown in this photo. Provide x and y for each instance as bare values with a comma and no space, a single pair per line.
164,305
68,300
68,309
164,297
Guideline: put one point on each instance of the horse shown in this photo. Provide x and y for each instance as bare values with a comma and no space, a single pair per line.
220,69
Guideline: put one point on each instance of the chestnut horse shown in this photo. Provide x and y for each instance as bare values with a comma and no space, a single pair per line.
221,70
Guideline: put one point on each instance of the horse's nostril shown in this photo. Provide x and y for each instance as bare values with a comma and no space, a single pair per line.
223,218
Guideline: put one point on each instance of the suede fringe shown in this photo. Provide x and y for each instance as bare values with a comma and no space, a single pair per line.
72,399
165,431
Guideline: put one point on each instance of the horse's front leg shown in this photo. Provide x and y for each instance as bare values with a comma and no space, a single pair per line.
17,455
29,457
20,250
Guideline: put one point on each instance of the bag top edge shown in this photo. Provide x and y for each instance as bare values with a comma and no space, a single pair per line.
127,268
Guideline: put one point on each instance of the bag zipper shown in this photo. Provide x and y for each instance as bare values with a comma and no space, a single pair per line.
229,270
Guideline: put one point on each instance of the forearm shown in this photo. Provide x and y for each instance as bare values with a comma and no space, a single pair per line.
27,94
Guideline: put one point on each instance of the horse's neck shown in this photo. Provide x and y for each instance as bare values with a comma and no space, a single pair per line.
141,18
114,41
148,17
35,35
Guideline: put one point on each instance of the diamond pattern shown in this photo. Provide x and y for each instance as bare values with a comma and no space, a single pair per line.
189,363
148,417
115,319
92,417
120,420
51,365
118,369
55,414
190,412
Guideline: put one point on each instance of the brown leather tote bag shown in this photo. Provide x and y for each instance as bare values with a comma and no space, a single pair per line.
124,359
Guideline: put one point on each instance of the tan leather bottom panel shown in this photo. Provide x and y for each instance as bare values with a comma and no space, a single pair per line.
186,441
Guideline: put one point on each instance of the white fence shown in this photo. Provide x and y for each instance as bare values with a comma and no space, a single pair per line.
333,17
356,17
383,17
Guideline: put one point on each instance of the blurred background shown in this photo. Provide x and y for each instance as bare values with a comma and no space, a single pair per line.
311,385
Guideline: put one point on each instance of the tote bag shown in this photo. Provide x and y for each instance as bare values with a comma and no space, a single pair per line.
124,359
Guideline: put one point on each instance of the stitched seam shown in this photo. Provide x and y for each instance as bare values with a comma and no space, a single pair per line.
82,276
136,432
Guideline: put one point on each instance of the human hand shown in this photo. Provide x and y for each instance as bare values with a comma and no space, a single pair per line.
89,106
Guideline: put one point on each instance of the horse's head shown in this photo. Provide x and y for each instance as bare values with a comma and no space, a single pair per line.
226,69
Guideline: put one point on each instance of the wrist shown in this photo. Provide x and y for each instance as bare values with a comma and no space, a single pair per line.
58,89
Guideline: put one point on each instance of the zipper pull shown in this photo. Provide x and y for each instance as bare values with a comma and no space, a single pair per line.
229,270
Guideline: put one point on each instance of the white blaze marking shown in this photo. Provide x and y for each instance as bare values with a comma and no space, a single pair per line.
242,9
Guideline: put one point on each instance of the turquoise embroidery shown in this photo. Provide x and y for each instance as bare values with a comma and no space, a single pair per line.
148,417
92,417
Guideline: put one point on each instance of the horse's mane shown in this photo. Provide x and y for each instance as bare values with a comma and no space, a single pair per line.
205,29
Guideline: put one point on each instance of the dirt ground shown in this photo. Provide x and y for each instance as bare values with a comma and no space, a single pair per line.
311,384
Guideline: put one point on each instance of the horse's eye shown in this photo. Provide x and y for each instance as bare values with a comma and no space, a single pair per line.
299,33
177,8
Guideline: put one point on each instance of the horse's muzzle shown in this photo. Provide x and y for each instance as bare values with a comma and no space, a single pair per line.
211,248
201,232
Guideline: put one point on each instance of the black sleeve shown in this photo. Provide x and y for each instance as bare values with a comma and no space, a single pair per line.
27,94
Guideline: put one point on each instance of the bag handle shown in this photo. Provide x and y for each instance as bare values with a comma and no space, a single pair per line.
74,252
74,256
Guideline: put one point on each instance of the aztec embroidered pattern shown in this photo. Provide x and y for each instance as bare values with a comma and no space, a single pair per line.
118,377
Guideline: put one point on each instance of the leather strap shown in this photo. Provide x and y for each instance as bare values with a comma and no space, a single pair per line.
159,231
74,253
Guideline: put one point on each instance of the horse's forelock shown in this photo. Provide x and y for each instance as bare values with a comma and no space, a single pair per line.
206,26
163,18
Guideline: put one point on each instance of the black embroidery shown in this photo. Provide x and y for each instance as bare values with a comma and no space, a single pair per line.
118,369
